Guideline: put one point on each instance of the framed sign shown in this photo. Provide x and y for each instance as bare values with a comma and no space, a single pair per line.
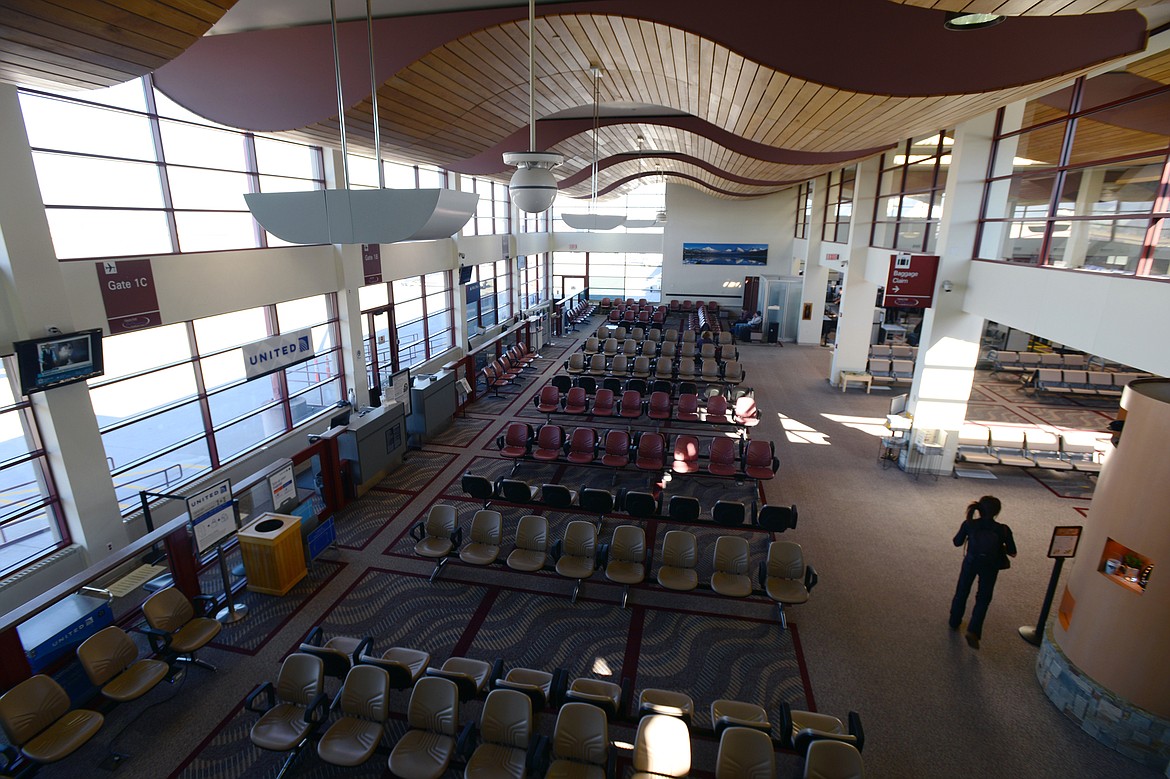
283,488
213,516
1064,541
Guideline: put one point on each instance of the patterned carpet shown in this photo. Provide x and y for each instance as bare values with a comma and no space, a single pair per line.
359,522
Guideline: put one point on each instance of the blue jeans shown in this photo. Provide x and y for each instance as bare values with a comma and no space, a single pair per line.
987,574
743,332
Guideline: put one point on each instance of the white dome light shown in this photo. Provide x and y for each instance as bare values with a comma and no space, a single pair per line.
533,187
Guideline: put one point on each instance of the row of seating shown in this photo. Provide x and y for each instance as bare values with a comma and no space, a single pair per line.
893,352
659,407
784,577
1081,383
687,368
630,348
647,451
36,720
636,504
1027,449
890,371
706,318
580,312
1026,362
669,335
645,386
632,316
505,744
508,368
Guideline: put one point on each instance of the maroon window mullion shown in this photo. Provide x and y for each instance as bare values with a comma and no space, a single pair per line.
201,396
273,322
422,283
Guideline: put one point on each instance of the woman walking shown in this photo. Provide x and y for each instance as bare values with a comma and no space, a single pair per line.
989,544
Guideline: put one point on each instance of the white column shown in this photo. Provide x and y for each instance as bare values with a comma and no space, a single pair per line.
816,275
1092,184
855,322
69,428
949,345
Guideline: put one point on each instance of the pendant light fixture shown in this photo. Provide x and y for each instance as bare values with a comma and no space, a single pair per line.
533,187
350,216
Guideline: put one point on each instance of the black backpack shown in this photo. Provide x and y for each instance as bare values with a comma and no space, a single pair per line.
985,542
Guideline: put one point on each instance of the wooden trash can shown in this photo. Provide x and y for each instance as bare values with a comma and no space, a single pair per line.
274,556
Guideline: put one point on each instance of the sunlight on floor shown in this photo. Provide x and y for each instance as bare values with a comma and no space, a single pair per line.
874,426
800,433
601,668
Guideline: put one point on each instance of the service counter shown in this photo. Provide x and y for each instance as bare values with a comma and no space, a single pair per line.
374,442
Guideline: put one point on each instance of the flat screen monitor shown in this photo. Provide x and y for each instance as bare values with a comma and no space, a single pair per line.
465,274
58,360
341,420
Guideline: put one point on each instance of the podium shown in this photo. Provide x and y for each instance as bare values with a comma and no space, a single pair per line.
274,555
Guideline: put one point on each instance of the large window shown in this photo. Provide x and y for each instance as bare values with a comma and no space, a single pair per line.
839,204
489,295
405,322
804,195
910,194
175,403
126,171
608,274
492,212
1081,182
534,287
30,516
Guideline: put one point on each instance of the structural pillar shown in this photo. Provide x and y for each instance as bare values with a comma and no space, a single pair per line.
855,322
816,275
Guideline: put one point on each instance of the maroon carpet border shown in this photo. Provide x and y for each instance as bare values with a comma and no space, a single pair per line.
805,678
475,623
190,758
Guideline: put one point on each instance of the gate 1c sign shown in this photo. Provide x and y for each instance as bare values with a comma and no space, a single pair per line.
129,295
910,283
279,351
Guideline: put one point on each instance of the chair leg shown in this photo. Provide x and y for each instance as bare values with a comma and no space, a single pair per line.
292,757
192,660
625,595
438,567
576,589
783,616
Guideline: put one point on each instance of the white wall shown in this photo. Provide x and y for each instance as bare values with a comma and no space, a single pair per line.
697,218
647,243
1119,318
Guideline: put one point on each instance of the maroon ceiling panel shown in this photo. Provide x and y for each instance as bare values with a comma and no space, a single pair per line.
283,79
550,132
583,175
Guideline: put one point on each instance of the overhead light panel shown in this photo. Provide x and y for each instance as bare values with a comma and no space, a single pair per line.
958,20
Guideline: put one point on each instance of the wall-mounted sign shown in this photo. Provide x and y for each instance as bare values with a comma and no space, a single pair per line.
1064,541
910,283
832,257
213,517
279,351
129,295
282,486
372,262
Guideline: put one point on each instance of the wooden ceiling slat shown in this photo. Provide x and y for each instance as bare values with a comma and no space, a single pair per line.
159,20
58,39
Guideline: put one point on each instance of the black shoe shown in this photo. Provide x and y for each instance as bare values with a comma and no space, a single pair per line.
953,626
972,640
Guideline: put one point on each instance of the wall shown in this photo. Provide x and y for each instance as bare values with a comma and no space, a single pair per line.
697,218
1115,317
649,243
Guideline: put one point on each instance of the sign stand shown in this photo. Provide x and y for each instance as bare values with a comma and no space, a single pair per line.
231,612
1063,546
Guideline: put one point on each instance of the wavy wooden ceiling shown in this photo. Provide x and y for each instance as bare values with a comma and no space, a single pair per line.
471,93
1030,7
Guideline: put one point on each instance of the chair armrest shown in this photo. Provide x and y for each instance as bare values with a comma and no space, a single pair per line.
496,674
627,686
9,755
601,559
160,640
611,762
317,710
785,725
205,605
806,737
810,578
456,538
500,442
315,636
557,550
265,689
856,730
534,760
418,531
465,743
560,683
763,575
362,647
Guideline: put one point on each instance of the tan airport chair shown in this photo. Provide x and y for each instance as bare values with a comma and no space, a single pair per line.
470,676
799,729
339,653
437,536
295,707
627,557
662,748
578,553
666,702
727,713
171,617
785,577
679,556
608,696
36,721
363,704
745,753
833,760
530,553
731,576
580,747
505,732
405,666
110,660
425,751
484,548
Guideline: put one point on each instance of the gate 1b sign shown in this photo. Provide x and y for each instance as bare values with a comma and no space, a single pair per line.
910,283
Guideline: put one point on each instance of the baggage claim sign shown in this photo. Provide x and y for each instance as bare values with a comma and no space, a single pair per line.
279,351
911,281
